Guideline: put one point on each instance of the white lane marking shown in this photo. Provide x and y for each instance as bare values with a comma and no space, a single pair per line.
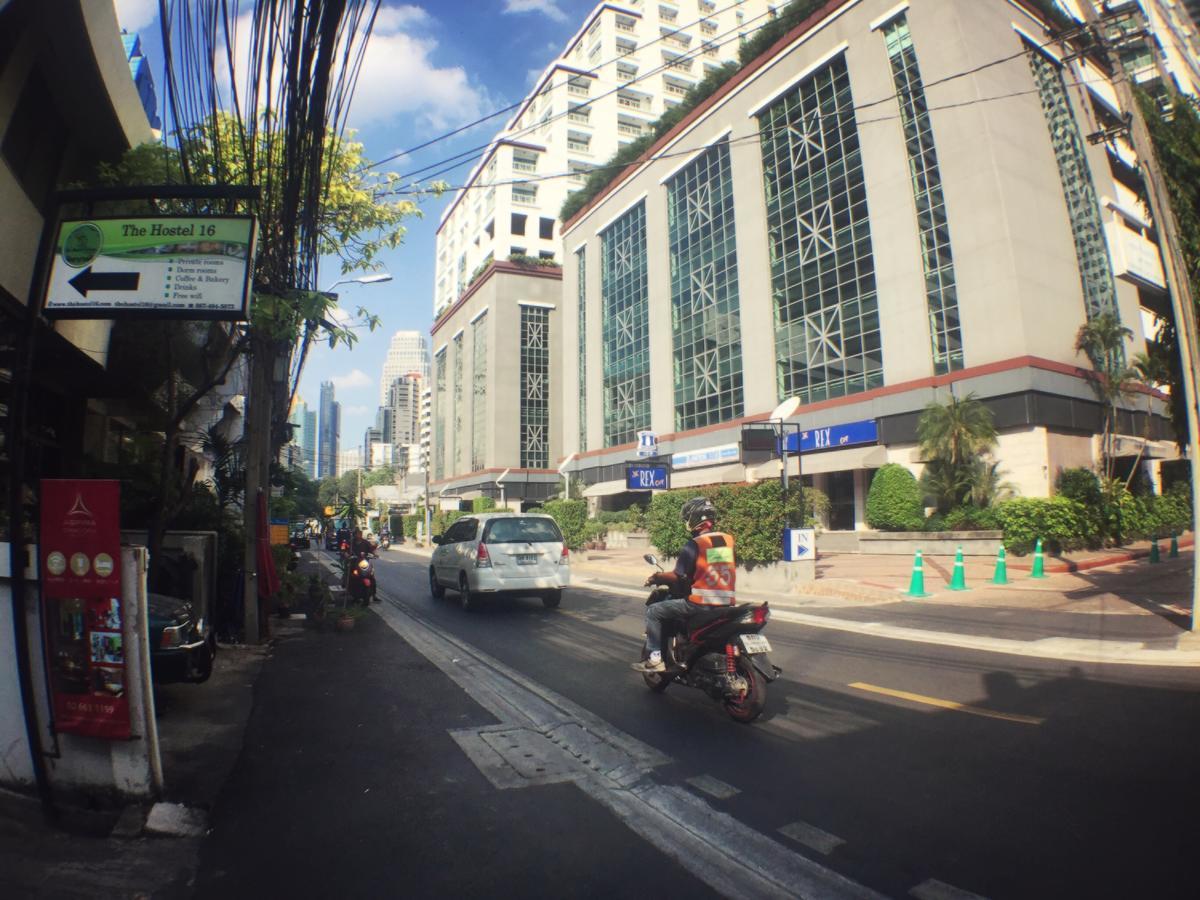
714,787
812,837
932,889
615,769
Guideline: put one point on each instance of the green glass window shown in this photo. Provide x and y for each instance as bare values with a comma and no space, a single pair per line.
535,387
626,328
581,297
456,441
822,266
1087,225
479,391
705,324
941,292
439,424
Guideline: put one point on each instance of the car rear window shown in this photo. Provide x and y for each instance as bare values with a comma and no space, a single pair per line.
519,530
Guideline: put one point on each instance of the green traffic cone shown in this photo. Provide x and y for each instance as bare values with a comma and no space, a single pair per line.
958,581
1039,570
1001,575
916,587
1174,554
1154,557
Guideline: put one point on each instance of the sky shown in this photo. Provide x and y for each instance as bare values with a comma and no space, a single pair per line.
430,67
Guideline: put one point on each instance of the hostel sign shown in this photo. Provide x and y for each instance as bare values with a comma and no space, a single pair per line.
187,267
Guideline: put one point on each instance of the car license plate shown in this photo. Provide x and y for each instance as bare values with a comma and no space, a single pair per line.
527,559
755,643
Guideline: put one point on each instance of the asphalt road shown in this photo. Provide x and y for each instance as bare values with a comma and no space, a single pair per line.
902,766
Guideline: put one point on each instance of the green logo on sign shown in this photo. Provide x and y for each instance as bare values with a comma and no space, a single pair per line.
82,245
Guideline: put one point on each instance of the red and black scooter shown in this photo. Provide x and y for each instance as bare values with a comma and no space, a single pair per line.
718,651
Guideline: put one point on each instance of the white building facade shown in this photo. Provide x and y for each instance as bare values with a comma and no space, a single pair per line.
628,64
896,202
408,354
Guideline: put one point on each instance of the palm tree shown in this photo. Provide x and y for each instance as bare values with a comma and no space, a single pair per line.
953,435
1102,340
986,486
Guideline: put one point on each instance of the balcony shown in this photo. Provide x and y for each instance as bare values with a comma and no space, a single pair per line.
629,128
576,89
579,116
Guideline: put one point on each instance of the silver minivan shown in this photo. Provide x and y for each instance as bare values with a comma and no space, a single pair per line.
496,553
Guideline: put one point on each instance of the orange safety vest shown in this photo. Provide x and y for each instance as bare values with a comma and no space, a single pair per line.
716,570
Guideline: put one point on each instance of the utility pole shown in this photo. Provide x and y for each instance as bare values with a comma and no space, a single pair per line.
1182,302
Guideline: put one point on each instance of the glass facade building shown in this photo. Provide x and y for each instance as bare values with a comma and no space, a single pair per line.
625,300
581,299
704,292
479,385
827,340
535,387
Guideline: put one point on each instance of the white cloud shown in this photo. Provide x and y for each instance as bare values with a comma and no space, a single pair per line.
356,378
545,7
134,15
390,19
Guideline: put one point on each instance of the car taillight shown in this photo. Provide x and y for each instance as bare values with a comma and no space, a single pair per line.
482,558
761,615
564,558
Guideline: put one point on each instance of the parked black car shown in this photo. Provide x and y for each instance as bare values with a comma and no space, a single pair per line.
300,539
182,645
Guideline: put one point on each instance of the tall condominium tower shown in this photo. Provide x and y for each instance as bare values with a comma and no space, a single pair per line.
305,436
627,65
404,405
407,353
327,438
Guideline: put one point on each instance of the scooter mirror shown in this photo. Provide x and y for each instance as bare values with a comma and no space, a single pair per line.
651,558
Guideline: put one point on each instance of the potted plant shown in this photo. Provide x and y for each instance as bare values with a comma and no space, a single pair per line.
347,616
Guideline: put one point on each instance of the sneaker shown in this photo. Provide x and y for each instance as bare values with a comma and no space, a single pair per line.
653,664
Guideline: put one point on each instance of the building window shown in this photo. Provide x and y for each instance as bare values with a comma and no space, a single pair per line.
1087,225
479,381
581,300
941,292
626,330
822,268
546,229
535,387
456,439
704,292
518,224
439,424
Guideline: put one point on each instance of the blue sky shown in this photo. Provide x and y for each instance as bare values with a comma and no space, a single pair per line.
430,67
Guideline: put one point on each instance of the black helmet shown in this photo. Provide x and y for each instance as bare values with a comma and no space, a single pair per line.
696,511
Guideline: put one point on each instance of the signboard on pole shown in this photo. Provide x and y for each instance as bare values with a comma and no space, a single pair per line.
831,437
186,267
647,443
799,544
80,557
646,478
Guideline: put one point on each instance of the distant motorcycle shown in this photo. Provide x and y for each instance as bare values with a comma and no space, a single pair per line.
718,650
385,541
361,581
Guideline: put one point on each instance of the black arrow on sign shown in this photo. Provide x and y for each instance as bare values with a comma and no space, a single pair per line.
87,280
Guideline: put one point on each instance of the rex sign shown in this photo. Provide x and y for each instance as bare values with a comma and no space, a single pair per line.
188,267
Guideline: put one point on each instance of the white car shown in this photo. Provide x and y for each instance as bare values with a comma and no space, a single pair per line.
496,553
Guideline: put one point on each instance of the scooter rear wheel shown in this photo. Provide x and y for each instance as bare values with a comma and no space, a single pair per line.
750,706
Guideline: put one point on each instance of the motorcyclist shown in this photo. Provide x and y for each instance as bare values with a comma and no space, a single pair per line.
360,545
704,576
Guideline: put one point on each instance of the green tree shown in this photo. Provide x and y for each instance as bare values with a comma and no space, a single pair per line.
1102,340
953,437
894,500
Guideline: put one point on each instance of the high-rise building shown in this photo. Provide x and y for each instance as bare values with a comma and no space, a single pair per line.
349,460
407,353
328,434
1193,9
404,409
304,436
143,78
626,66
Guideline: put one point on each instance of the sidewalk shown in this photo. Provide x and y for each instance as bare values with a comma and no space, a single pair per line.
1109,606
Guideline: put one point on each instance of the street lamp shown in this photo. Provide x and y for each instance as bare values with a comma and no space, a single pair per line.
362,279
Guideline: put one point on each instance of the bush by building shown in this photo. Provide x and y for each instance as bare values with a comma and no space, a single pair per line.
571,516
894,501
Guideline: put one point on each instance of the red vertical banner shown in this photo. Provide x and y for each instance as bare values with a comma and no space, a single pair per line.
80,565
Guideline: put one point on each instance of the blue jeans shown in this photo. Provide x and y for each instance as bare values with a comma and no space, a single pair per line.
663,611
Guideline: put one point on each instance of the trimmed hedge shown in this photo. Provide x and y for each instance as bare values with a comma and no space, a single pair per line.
753,513
894,502
571,516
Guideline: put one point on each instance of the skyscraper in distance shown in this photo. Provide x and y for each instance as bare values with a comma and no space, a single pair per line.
329,428
407,353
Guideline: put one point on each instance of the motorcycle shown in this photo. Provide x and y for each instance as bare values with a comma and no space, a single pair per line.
361,581
717,650
385,541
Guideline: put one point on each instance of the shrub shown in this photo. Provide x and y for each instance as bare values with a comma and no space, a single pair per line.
894,501
965,518
1061,523
754,514
571,516
1080,484
483,504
